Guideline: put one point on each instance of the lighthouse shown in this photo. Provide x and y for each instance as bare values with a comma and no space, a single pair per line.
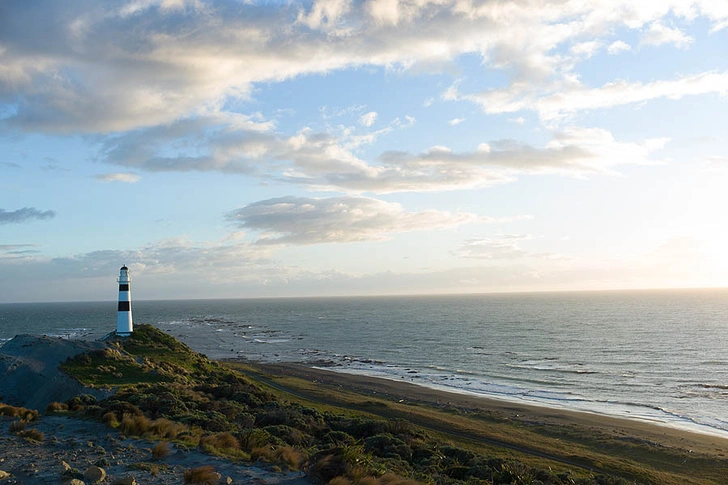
124,326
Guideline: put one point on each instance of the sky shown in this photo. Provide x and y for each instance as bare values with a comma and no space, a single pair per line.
233,149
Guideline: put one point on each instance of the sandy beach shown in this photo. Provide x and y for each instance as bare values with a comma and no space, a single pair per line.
659,434
618,440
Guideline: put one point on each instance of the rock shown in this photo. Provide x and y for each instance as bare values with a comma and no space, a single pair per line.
94,474
4,475
75,481
63,467
226,481
125,481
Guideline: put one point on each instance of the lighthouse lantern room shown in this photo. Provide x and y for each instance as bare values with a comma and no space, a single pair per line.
124,325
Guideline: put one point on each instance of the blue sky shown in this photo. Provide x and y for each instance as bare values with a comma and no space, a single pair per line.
226,149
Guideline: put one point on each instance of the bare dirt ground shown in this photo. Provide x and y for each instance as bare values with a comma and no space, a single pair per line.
80,444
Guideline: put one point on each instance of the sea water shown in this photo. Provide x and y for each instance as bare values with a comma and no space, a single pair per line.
659,356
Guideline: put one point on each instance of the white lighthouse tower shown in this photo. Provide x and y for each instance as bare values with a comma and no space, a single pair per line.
124,325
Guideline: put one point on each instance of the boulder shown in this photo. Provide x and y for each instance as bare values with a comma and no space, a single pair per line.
94,474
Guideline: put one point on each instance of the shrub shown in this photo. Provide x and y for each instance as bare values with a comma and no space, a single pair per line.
341,481
289,435
161,450
327,465
255,438
205,475
337,438
78,403
392,479
388,446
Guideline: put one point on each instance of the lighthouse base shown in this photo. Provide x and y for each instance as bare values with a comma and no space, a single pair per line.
124,325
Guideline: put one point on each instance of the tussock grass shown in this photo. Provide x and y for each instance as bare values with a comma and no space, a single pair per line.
151,468
110,419
33,434
56,407
142,426
291,457
135,425
203,475
161,450
17,426
27,415
166,428
220,441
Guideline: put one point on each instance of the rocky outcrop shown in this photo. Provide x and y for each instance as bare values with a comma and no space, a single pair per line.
29,374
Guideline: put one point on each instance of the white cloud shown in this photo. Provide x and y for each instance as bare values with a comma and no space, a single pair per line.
324,161
125,177
659,34
586,49
100,68
455,121
560,101
368,119
503,246
617,47
306,220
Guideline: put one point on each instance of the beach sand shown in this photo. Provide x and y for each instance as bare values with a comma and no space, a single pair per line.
587,424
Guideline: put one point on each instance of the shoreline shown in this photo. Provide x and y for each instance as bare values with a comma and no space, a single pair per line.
678,423
620,428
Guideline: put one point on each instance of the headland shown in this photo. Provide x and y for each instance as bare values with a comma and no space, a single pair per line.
280,422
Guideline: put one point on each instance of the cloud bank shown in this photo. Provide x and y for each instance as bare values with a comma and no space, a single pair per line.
306,220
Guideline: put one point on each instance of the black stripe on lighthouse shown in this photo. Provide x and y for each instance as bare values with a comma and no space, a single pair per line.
124,287
124,306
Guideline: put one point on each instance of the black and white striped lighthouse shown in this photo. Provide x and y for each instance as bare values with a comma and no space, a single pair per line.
124,325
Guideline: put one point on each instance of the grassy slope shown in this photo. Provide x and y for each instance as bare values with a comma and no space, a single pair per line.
641,462
331,431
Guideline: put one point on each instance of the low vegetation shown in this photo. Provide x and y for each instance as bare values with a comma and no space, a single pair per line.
168,392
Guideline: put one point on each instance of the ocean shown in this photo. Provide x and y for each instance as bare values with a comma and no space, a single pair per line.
658,356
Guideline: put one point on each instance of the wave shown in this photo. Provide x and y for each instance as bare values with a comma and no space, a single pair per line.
547,367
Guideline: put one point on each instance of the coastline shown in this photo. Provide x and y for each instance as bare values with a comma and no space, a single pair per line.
541,437
580,422
656,418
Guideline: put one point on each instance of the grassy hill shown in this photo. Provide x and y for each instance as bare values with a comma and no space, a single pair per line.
166,391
